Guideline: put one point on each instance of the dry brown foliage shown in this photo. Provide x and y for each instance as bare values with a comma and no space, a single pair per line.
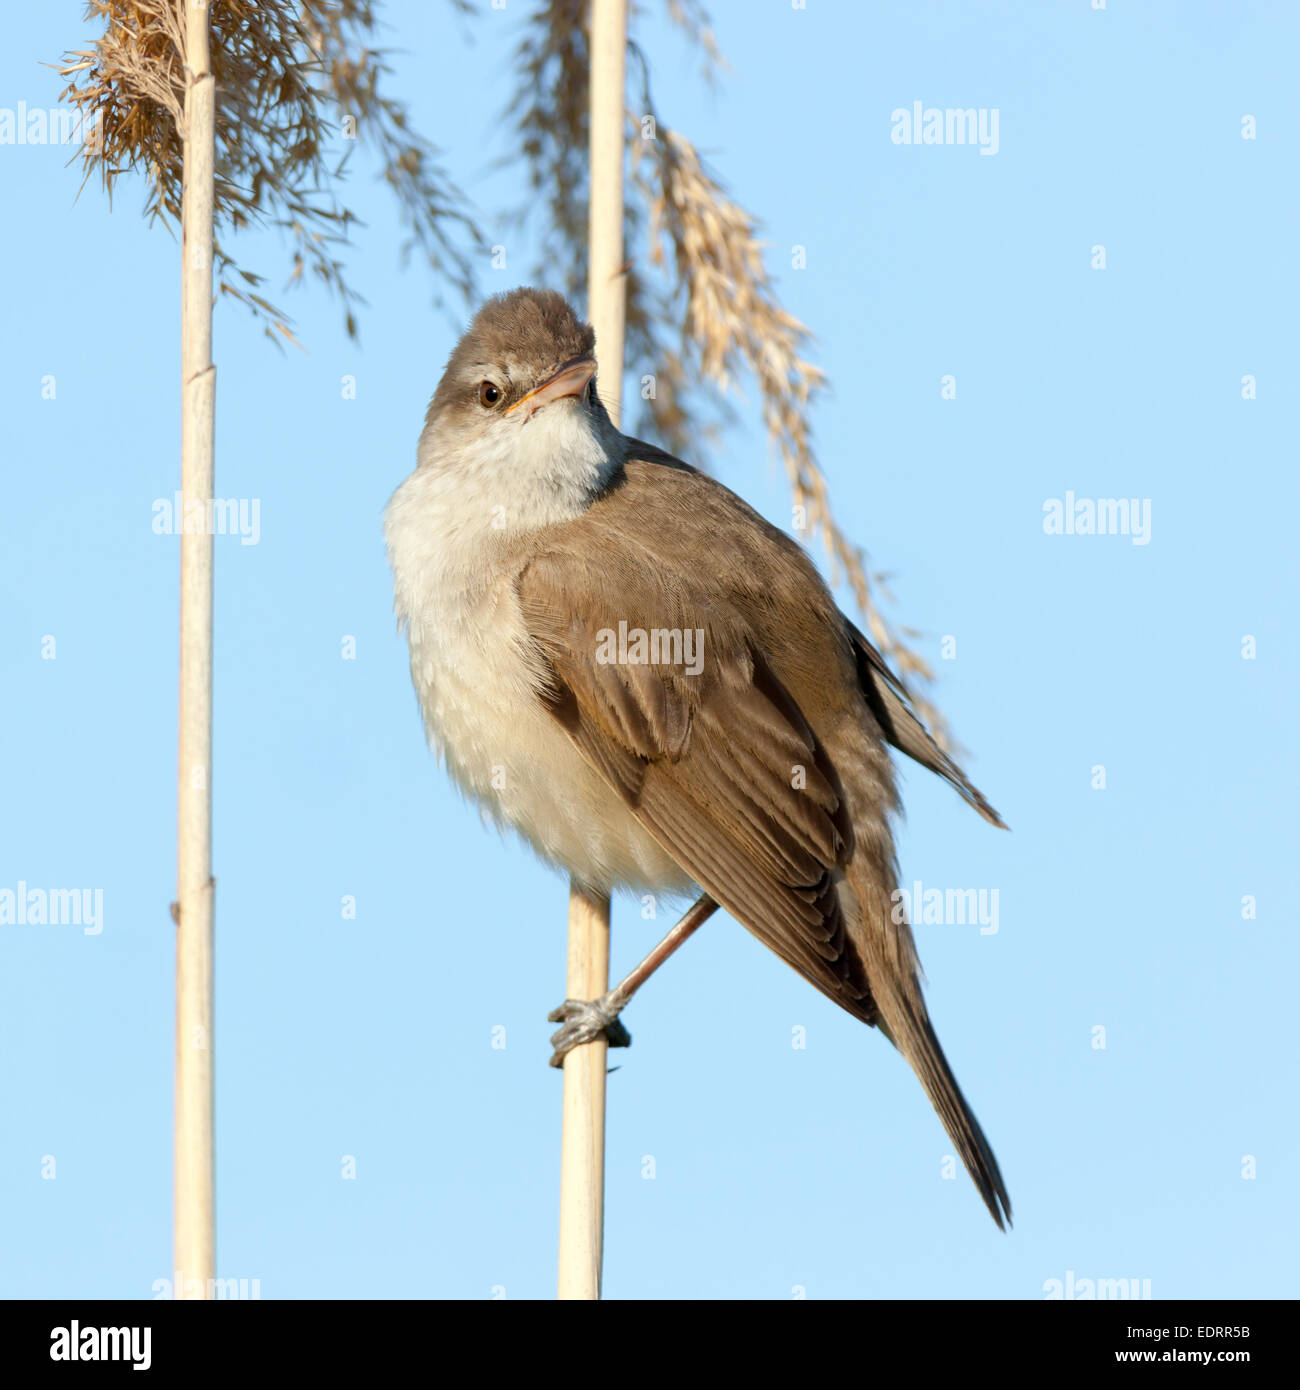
280,67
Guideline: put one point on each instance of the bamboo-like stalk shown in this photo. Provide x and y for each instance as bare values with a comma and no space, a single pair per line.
582,1143
582,1154
606,281
195,1254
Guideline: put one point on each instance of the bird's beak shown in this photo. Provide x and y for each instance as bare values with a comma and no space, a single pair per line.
569,380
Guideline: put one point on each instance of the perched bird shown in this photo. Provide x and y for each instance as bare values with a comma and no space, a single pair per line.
620,659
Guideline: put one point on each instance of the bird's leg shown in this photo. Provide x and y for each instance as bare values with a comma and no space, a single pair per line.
585,1020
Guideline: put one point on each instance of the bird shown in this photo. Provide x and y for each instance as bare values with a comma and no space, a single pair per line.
619,659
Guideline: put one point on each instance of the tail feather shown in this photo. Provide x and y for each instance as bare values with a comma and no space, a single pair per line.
911,1032
887,951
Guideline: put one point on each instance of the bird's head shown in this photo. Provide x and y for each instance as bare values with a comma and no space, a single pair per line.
517,410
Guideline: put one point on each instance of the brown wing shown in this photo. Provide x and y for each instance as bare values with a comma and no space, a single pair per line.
719,765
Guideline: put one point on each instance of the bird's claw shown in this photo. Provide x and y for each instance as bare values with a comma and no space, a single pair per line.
584,1021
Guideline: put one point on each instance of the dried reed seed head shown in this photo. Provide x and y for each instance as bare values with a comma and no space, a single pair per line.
279,67
733,320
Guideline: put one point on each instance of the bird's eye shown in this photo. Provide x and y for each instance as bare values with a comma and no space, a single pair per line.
489,394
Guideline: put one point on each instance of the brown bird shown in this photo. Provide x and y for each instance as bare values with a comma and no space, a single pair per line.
620,659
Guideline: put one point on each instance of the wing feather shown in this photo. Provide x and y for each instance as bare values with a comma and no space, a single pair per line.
720,765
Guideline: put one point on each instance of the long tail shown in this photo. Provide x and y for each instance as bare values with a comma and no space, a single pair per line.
915,1038
893,973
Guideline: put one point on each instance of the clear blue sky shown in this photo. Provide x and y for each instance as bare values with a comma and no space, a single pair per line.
774,1168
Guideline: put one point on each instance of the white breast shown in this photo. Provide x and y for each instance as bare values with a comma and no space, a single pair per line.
477,681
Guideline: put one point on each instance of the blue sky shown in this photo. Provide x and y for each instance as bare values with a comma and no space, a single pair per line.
775,1169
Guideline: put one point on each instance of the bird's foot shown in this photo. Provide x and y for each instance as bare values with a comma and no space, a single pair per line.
584,1021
